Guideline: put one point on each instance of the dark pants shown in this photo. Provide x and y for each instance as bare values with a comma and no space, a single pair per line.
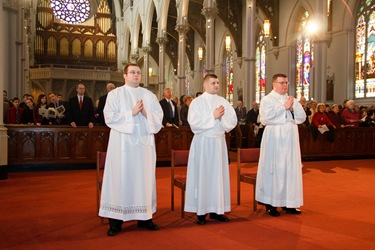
115,224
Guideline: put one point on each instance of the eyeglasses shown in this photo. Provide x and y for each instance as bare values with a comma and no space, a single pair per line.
282,82
135,72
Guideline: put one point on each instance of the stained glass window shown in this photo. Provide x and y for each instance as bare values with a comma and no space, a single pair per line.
71,11
229,76
304,59
365,50
260,69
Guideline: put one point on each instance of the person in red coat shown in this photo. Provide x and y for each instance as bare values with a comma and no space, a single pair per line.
320,119
350,115
15,113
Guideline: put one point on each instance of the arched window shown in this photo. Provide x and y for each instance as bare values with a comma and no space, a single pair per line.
305,59
260,68
365,50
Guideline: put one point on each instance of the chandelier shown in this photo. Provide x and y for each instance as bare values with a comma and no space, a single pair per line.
71,11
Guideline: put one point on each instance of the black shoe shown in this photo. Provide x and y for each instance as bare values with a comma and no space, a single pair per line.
292,210
148,224
113,231
201,219
219,217
272,211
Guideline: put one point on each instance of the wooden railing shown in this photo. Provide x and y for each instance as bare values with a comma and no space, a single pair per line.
67,145
349,142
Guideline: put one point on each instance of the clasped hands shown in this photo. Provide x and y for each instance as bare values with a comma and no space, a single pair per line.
289,103
139,108
219,112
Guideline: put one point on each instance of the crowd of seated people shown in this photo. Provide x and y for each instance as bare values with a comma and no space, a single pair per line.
335,116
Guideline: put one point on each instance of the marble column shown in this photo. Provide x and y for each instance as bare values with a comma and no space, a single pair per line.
162,41
210,12
3,129
182,29
146,64
318,90
249,54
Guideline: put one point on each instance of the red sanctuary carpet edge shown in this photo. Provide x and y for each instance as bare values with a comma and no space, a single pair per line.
57,210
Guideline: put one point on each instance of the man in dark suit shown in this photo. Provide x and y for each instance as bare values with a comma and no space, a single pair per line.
80,109
169,109
252,115
54,102
241,113
102,100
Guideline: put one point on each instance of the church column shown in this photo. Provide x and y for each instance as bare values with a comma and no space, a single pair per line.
182,29
3,129
319,70
249,50
134,56
162,40
146,63
210,11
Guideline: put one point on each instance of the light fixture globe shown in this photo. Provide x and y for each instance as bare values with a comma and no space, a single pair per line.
72,11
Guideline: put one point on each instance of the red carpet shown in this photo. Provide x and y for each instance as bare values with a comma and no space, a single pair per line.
56,210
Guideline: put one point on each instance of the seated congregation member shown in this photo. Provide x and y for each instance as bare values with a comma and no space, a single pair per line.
41,104
335,117
56,103
241,113
320,119
28,112
369,120
80,109
185,111
303,102
15,113
207,182
351,116
102,99
170,110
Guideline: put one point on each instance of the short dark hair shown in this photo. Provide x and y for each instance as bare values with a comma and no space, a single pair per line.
198,94
275,76
208,76
128,65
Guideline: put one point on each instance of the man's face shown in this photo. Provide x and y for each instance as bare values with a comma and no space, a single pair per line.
211,85
5,95
280,85
29,103
313,105
80,89
52,98
168,93
133,76
239,104
110,87
16,103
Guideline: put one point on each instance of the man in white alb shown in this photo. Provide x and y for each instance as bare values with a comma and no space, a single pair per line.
129,186
279,178
207,183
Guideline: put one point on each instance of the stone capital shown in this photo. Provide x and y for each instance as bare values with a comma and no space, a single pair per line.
161,40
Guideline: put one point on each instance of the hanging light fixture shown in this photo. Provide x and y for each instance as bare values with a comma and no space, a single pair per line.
200,53
266,28
227,43
72,11
149,72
